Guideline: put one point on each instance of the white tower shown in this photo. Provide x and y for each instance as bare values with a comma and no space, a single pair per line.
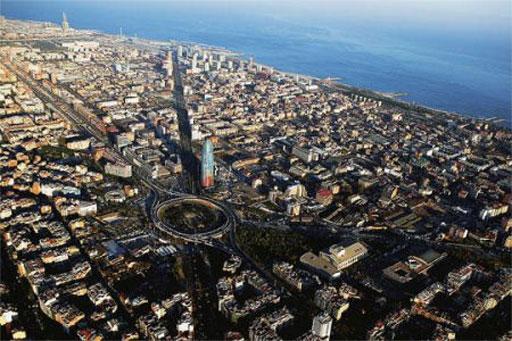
65,24
194,61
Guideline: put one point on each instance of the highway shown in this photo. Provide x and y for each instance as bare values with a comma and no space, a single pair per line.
158,196
68,113
199,283
63,108
197,237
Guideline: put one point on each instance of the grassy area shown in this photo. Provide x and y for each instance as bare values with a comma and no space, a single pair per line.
191,217
268,245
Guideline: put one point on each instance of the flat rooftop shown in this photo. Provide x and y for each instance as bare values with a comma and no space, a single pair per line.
320,264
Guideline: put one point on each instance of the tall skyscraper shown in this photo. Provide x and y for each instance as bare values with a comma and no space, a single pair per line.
207,164
65,24
194,61
322,324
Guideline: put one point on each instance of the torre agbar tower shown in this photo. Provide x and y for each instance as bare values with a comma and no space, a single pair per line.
207,164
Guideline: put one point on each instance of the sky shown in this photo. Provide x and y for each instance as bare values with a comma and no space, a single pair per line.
489,13
479,21
494,15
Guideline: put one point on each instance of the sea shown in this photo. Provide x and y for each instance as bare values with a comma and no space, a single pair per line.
447,63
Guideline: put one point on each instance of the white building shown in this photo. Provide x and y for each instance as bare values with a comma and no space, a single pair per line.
87,208
322,324
81,46
117,169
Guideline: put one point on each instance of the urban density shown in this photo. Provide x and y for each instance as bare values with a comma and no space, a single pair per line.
164,190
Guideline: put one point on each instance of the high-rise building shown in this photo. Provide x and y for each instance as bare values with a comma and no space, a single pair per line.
194,61
65,24
207,164
322,324
167,64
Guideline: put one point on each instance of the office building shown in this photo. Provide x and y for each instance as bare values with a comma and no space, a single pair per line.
65,24
207,164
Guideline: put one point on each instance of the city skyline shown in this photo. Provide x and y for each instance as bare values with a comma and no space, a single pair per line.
462,68
170,190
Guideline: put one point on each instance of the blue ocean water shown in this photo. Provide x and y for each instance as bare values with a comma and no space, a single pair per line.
465,69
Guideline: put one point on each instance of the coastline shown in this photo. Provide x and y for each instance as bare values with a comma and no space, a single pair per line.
385,97
345,87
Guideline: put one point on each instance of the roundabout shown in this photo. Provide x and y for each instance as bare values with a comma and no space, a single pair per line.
193,218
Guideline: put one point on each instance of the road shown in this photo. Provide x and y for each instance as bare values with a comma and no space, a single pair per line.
199,281
77,120
185,130
196,237
57,104
158,194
